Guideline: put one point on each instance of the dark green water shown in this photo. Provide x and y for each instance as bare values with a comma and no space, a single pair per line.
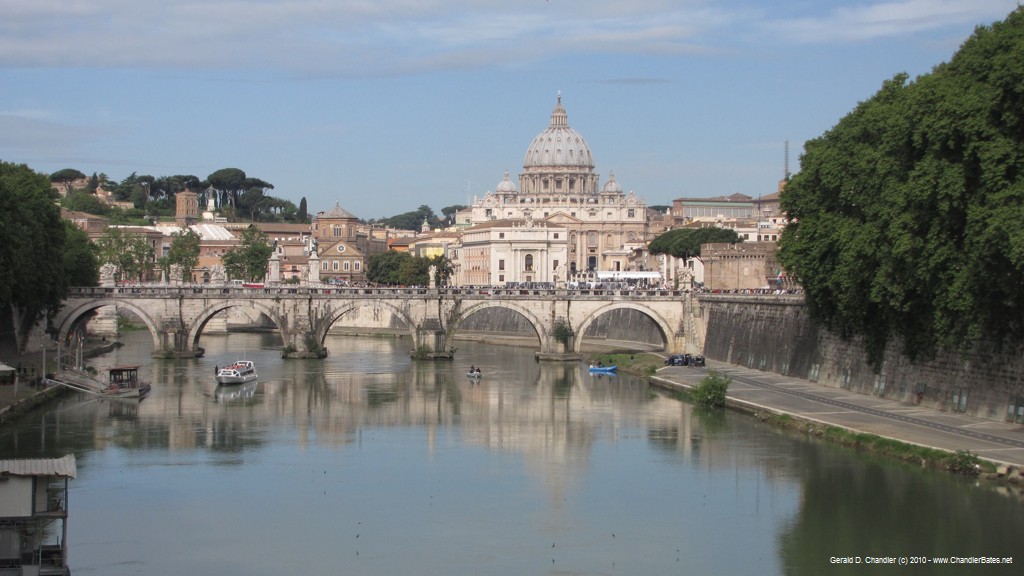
368,463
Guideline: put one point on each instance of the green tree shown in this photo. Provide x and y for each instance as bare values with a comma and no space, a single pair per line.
248,260
81,264
711,391
85,202
65,177
414,271
562,332
905,217
227,184
184,252
129,251
384,268
33,273
686,242
449,212
411,220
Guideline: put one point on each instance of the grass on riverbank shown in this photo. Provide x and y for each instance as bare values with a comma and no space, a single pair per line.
642,363
960,462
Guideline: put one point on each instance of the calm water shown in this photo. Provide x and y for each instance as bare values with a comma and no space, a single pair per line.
368,463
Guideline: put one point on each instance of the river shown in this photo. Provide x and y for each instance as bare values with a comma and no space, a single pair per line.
369,463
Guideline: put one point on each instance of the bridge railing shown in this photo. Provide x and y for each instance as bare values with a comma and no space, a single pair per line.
208,290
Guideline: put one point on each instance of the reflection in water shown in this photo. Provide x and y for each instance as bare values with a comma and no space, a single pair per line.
367,462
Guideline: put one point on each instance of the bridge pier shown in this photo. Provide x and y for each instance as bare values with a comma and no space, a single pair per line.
304,344
175,343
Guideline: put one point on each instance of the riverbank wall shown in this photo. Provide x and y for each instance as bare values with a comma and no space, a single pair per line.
774,333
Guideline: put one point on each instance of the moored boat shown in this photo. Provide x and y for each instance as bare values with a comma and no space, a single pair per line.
612,368
239,372
123,382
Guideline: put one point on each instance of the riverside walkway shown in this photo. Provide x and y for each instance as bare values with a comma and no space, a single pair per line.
999,442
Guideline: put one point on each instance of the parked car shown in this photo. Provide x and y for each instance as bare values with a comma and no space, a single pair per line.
678,360
698,361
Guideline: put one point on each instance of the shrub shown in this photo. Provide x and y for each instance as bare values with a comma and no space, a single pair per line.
964,462
562,332
710,392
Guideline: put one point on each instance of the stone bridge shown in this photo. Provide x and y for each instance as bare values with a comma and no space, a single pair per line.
176,316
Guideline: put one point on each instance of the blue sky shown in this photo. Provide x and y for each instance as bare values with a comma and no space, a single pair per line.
385,105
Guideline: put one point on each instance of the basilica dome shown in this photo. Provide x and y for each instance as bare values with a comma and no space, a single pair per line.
506,186
558,145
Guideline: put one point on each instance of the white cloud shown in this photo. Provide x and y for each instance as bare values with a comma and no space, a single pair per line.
872,20
397,36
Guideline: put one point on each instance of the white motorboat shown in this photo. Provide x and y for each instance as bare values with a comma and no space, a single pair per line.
239,372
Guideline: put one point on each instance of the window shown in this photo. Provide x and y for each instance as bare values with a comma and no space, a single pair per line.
346,265
554,264
631,213
324,265
357,265
336,231
334,265
528,262
556,235
501,235
501,264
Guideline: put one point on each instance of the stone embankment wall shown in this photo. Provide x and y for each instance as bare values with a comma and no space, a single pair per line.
774,333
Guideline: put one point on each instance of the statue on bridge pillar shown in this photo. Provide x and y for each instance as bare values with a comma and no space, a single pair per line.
275,269
176,274
218,275
313,269
107,274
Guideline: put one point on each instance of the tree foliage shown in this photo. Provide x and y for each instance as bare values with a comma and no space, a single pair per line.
906,216
383,268
248,260
412,220
184,252
65,177
81,265
129,251
403,269
711,391
33,274
686,242
230,183
85,202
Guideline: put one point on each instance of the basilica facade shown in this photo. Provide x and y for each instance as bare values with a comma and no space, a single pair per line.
559,224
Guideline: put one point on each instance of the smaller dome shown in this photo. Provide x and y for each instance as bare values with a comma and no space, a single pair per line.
611,185
506,186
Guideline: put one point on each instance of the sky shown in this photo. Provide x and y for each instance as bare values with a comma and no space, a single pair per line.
382,106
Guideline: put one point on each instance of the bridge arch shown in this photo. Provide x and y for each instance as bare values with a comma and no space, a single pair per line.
536,323
355,305
667,333
71,317
195,330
